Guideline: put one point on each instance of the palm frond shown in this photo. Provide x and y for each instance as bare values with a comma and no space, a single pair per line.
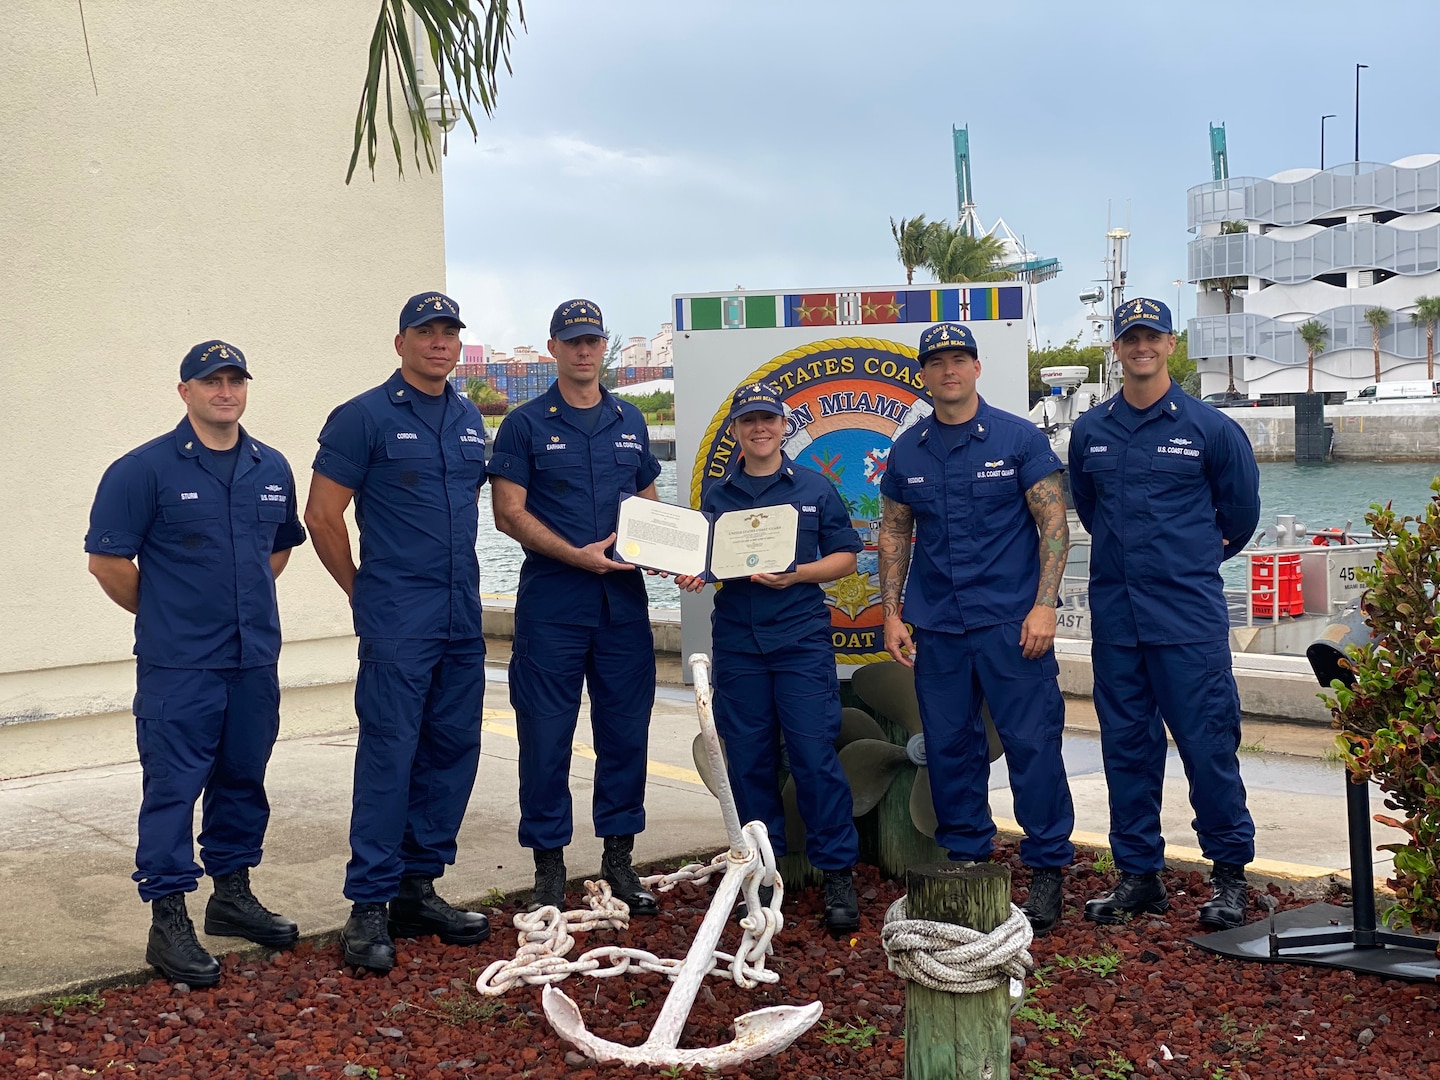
467,51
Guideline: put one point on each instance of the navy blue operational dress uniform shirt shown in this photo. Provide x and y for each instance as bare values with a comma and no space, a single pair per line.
416,488
1167,493
574,480
207,636
775,670
207,596
968,572
750,617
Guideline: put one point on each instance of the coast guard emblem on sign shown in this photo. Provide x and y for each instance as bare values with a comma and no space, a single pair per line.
845,402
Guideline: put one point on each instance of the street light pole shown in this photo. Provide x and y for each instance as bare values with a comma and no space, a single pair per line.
1357,109
1177,283
1327,116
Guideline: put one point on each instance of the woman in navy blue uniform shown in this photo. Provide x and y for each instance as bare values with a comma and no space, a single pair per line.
774,662
1169,488
210,514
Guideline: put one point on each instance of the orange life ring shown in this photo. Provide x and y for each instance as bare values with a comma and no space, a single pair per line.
1326,537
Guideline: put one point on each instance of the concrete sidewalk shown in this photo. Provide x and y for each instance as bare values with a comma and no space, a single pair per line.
73,917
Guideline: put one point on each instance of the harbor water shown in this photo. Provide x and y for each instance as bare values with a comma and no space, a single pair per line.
1320,496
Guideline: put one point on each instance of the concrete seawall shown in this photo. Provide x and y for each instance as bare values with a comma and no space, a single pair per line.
1381,431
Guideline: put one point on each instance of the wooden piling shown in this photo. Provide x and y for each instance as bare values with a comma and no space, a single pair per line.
958,1036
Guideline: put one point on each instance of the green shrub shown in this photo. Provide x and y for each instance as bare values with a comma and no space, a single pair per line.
1388,717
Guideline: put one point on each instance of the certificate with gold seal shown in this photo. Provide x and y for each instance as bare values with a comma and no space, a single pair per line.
758,541
678,540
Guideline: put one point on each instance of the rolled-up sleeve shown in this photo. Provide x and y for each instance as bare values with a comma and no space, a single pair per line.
510,459
123,511
344,454
1040,460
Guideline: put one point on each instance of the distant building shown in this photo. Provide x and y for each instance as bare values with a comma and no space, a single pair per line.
662,352
635,352
1318,245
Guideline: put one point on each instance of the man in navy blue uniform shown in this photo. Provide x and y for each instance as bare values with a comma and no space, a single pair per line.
981,490
1168,488
561,465
210,513
774,664
411,454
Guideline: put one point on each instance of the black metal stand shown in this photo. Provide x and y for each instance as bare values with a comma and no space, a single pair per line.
1328,935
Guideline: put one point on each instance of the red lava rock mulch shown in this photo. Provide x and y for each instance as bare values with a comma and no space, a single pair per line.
1107,1002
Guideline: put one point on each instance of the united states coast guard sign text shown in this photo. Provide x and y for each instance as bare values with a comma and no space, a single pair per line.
846,400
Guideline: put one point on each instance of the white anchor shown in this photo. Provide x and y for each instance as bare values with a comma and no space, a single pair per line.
757,1034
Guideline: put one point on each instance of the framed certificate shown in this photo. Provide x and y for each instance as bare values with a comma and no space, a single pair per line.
678,540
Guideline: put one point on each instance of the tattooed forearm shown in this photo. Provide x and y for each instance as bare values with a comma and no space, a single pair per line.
1047,507
897,521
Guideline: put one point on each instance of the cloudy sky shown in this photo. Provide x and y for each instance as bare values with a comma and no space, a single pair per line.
649,147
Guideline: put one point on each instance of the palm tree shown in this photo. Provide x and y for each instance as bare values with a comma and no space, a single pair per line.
1228,287
910,236
1378,318
953,255
467,49
482,393
1313,333
1427,311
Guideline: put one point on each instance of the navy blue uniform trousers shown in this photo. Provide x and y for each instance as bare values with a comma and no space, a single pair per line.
419,702
954,674
549,663
202,732
794,692
1193,689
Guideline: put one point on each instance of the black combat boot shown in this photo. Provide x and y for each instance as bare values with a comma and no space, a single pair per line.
233,911
549,879
419,910
1136,893
1042,906
624,882
842,913
364,941
1225,909
173,947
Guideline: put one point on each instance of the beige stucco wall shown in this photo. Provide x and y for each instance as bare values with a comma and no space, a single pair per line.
200,194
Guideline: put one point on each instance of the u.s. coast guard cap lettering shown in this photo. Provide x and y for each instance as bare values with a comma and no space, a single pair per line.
208,357
427,307
577,318
946,335
1151,314
755,397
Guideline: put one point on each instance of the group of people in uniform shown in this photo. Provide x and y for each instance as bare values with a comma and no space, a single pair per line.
189,532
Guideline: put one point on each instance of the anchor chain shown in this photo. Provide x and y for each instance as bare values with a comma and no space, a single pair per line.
546,936
957,959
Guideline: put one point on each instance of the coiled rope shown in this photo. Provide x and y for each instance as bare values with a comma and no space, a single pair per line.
957,959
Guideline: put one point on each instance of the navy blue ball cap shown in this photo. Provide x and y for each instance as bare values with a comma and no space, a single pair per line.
427,307
209,357
946,335
577,318
1151,314
755,397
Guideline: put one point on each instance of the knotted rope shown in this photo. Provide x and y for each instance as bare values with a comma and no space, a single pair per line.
546,936
956,959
